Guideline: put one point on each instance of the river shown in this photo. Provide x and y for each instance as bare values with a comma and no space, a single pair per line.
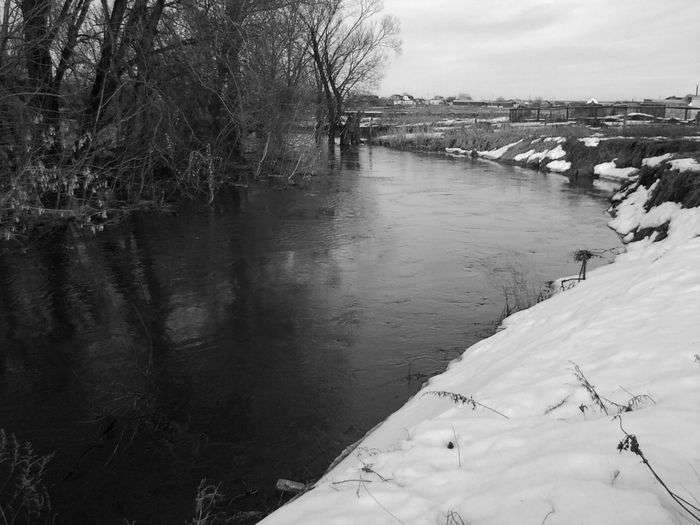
255,338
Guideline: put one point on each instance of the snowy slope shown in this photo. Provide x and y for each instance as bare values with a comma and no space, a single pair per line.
633,328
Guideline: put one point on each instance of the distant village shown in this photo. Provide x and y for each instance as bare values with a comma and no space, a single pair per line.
408,100
673,108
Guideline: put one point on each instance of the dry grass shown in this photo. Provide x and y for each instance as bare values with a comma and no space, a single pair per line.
397,115
432,135
24,497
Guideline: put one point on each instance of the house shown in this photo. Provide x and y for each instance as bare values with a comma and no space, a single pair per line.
505,104
437,101
694,103
402,100
674,107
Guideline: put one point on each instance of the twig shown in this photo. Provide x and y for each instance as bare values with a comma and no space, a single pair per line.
368,469
289,179
558,405
546,516
454,518
589,387
382,506
459,450
460,398
351,481
264,156
632,444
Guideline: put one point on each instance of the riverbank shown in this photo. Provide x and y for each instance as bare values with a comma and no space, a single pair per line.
572,150
568,413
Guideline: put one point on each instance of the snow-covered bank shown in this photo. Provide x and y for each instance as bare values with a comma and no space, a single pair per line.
524,441
617,159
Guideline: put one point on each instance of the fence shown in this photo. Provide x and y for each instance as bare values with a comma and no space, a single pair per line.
595,112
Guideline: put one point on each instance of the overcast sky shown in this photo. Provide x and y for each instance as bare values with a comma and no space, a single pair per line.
608,49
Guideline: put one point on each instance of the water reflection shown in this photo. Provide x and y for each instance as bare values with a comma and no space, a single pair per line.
256,338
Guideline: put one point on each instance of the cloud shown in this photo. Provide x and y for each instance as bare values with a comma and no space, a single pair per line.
557,49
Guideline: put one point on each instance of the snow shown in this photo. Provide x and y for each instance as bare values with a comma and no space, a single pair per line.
523,156
435,134
631,214
533,156
658,215
556,153
608,170
636,115
559,166
652,162
607,186
496,154
631,210
537,157
496,119
631,327
590,142
457,151
685,165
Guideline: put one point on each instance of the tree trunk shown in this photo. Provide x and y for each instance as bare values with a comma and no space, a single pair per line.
36,37
44,99
332,132
105,67
4,30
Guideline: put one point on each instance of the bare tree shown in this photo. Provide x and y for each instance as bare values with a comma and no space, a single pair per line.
133,100
349,42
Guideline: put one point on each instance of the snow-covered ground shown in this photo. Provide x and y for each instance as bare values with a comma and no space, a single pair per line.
609,170
524,441
559,166
497,153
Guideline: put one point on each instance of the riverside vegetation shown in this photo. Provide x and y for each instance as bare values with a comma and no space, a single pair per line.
107,106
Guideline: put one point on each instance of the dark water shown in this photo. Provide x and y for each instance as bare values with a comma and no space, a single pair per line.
256,338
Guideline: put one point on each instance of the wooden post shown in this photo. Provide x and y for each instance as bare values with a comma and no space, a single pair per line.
538,114
624,123
567,112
